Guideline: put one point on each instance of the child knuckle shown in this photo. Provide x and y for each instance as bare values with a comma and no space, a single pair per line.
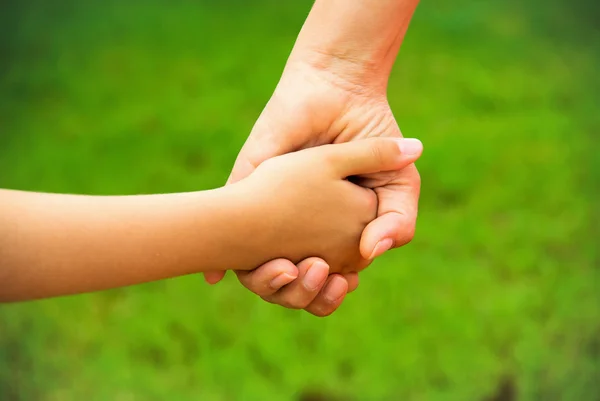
377,152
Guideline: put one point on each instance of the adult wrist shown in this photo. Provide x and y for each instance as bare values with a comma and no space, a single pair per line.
356,40
345,69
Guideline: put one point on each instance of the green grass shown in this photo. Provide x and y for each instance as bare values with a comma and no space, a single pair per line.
496,299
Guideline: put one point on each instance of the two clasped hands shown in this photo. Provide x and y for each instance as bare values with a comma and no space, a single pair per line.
333,90
367,217
323,185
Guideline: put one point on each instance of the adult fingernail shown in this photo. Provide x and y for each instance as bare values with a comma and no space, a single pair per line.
315,276
281,280
381,247
410,146
334,290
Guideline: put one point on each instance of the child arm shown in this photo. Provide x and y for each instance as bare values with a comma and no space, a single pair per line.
61,244
293,206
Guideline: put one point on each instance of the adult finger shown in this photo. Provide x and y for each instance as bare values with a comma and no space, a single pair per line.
373,155
268,278
330,298
312,275
252,154
265,141
214,276
353,281
333,294
396,215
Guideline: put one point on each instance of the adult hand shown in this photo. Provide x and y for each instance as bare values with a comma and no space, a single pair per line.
311,107
333,89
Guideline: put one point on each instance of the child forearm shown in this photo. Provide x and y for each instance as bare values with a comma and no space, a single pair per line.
62,244
291,207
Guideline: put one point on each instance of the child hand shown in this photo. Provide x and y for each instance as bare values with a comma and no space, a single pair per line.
305,206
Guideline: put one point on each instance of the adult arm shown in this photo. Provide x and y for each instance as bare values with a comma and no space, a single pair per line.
333,89
355,40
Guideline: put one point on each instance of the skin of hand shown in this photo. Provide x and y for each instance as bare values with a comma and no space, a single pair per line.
328,109
333,89
294,206
312,185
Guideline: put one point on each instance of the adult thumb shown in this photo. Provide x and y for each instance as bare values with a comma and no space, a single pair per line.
262,144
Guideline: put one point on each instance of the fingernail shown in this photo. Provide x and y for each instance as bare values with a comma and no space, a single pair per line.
334,290
381,247
315,276
410,146
281,280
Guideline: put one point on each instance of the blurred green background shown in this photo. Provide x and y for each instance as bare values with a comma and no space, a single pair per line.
496,299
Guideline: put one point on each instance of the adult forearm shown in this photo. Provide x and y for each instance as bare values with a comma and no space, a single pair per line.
358,39
63,244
